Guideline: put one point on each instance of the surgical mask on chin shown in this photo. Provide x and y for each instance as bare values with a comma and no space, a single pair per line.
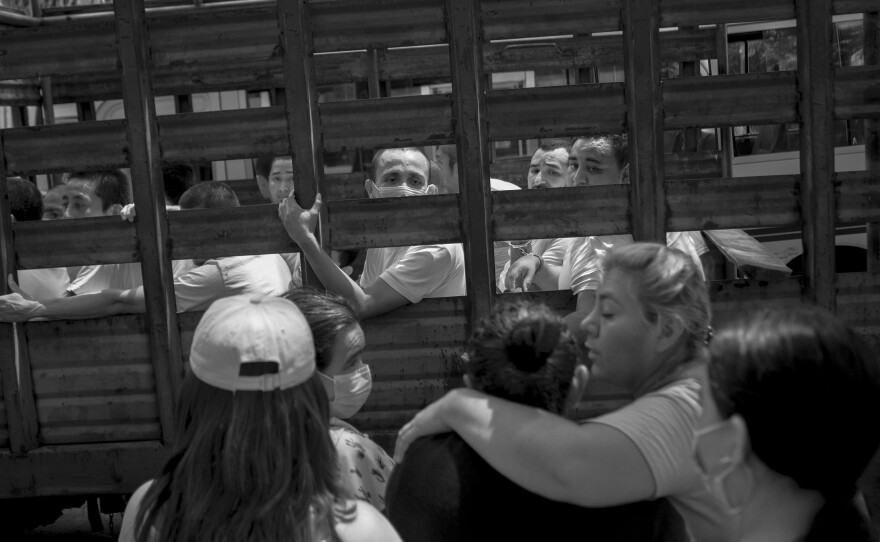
350,391
401,191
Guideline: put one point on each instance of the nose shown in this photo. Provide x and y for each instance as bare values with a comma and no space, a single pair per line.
580,178
590,324
539,182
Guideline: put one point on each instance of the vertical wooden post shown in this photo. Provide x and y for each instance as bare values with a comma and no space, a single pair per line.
644,106
301,109
872,137
152,227
817,152
466,58
726,133
85,111
15,372
373,82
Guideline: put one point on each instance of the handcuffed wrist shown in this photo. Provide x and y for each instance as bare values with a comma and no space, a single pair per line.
540,262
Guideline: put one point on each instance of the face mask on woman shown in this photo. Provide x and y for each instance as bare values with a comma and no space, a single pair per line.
349,391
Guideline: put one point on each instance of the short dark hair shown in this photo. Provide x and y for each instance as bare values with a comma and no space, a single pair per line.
378,154
618,143
452,152
112,186
327,314
523,352
177,179
208,195
548,145
25,200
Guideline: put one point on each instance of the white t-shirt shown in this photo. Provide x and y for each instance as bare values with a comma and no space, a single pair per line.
292,259
44,284
266,274
661,424
581,266
416,272
95,278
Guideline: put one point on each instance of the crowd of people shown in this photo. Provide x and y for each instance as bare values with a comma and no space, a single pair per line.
734,435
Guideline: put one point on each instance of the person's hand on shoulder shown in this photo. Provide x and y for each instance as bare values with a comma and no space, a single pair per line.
429,421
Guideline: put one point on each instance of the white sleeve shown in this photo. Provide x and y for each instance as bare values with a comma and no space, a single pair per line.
420,271
198,288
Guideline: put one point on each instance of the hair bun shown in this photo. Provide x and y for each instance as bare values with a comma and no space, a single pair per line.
531,342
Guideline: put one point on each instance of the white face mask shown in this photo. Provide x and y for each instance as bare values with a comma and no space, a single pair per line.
715,471
349,391
401,191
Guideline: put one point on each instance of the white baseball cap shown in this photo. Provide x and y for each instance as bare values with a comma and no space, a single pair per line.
253,343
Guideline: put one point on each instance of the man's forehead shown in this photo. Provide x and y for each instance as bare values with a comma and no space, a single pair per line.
77,187
597,147
401,159
282,164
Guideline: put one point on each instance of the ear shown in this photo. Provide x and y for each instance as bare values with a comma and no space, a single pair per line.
467,382
578,385
624,175
432,190
113,210
368,186
263,185
670,332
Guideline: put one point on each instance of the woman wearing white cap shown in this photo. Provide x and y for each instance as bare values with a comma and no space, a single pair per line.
254,459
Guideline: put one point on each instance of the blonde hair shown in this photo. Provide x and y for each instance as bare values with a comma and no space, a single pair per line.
668,285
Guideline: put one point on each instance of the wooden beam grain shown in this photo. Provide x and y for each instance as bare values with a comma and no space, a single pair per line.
816,84
644,106
463,26
142,135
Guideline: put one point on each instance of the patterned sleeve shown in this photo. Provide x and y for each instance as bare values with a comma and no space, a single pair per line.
364,465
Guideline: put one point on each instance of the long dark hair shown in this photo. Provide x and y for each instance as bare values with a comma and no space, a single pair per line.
327,314
794,373
523,352
256,466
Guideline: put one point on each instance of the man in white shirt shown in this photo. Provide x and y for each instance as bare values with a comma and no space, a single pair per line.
393,276
213,278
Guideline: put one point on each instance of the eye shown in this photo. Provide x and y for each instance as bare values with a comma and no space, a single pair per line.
594,170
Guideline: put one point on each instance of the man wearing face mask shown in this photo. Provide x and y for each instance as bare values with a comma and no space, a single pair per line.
392,276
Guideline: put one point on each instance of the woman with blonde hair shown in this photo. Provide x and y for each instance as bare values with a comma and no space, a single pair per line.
254,460
647,333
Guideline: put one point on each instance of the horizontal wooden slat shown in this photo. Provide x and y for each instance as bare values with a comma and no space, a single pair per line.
81,47
697,12
125,431
840,7
731,298
858,304
98,380
394,222
857,92
80,470
387,122
19,92
561,212
71,411
858,198
223,135
58,344
345,25
744,202
80,241
730,100
214,233
65,147
504,19
555,111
